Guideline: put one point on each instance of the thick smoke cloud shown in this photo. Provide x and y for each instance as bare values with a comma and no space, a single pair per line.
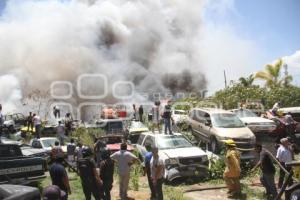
152,43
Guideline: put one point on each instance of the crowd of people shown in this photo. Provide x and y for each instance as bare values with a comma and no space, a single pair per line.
97,178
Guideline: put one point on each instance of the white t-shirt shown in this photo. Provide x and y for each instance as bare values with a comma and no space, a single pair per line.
156,114
154,163
37,120
284,154
124,158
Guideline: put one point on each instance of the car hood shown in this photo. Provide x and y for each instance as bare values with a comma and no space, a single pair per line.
133,130
28,151
256,120
182,152
64,148
243,132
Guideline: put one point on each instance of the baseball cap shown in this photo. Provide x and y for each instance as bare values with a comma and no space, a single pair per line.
53,192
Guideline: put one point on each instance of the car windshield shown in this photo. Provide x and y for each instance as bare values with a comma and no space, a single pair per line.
180,112
226,120
49,142
244,113
173,142
137,125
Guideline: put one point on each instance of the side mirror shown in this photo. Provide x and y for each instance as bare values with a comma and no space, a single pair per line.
207,123
246,124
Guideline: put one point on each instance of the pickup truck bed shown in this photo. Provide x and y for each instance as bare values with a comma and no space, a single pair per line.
18,169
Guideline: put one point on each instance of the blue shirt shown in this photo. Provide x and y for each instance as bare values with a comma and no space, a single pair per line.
148,157
58,173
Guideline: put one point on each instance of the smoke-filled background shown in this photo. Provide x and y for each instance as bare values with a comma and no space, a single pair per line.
151,43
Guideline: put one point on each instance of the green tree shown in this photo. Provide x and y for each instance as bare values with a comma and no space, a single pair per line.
271,75
248,81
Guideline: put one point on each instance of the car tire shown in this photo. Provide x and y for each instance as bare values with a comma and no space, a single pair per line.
11,129
214,146
295,194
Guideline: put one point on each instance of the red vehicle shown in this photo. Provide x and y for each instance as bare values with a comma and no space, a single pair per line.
280,122
113,142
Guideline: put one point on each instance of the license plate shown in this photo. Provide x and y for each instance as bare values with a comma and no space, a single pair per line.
21,169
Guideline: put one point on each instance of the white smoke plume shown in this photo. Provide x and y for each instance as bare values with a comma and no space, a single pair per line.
152,43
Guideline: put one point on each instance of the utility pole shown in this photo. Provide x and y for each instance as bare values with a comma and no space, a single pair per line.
225,79
286,73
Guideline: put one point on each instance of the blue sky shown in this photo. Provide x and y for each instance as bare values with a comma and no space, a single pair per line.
272,26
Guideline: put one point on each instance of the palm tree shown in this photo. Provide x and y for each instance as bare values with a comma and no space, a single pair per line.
271,75
248,81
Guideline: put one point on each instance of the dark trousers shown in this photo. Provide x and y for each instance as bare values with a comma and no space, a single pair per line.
167,123
106,190
282,175
151,186
268,181
38,131
158,189
89,189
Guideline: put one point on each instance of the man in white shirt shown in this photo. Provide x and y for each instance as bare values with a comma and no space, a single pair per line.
124,159
37,124
157,173
284,155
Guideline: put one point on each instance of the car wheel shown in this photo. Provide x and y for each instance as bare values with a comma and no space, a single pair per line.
214,146
295,195
11,129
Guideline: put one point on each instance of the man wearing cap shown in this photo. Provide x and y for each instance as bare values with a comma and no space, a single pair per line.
284,155
59,175
52,192
232,171
90,180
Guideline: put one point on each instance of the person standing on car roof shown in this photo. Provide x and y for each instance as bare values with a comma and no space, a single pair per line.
37,125
59,175
268,171
233,170
107,174
134,111
68,123
141,113
167,115
156,116
60,133
124,159
147,161
157,173
56,112
30,122
90,180
284,155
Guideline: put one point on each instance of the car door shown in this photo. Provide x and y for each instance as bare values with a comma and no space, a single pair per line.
201,118
149,140
192,120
